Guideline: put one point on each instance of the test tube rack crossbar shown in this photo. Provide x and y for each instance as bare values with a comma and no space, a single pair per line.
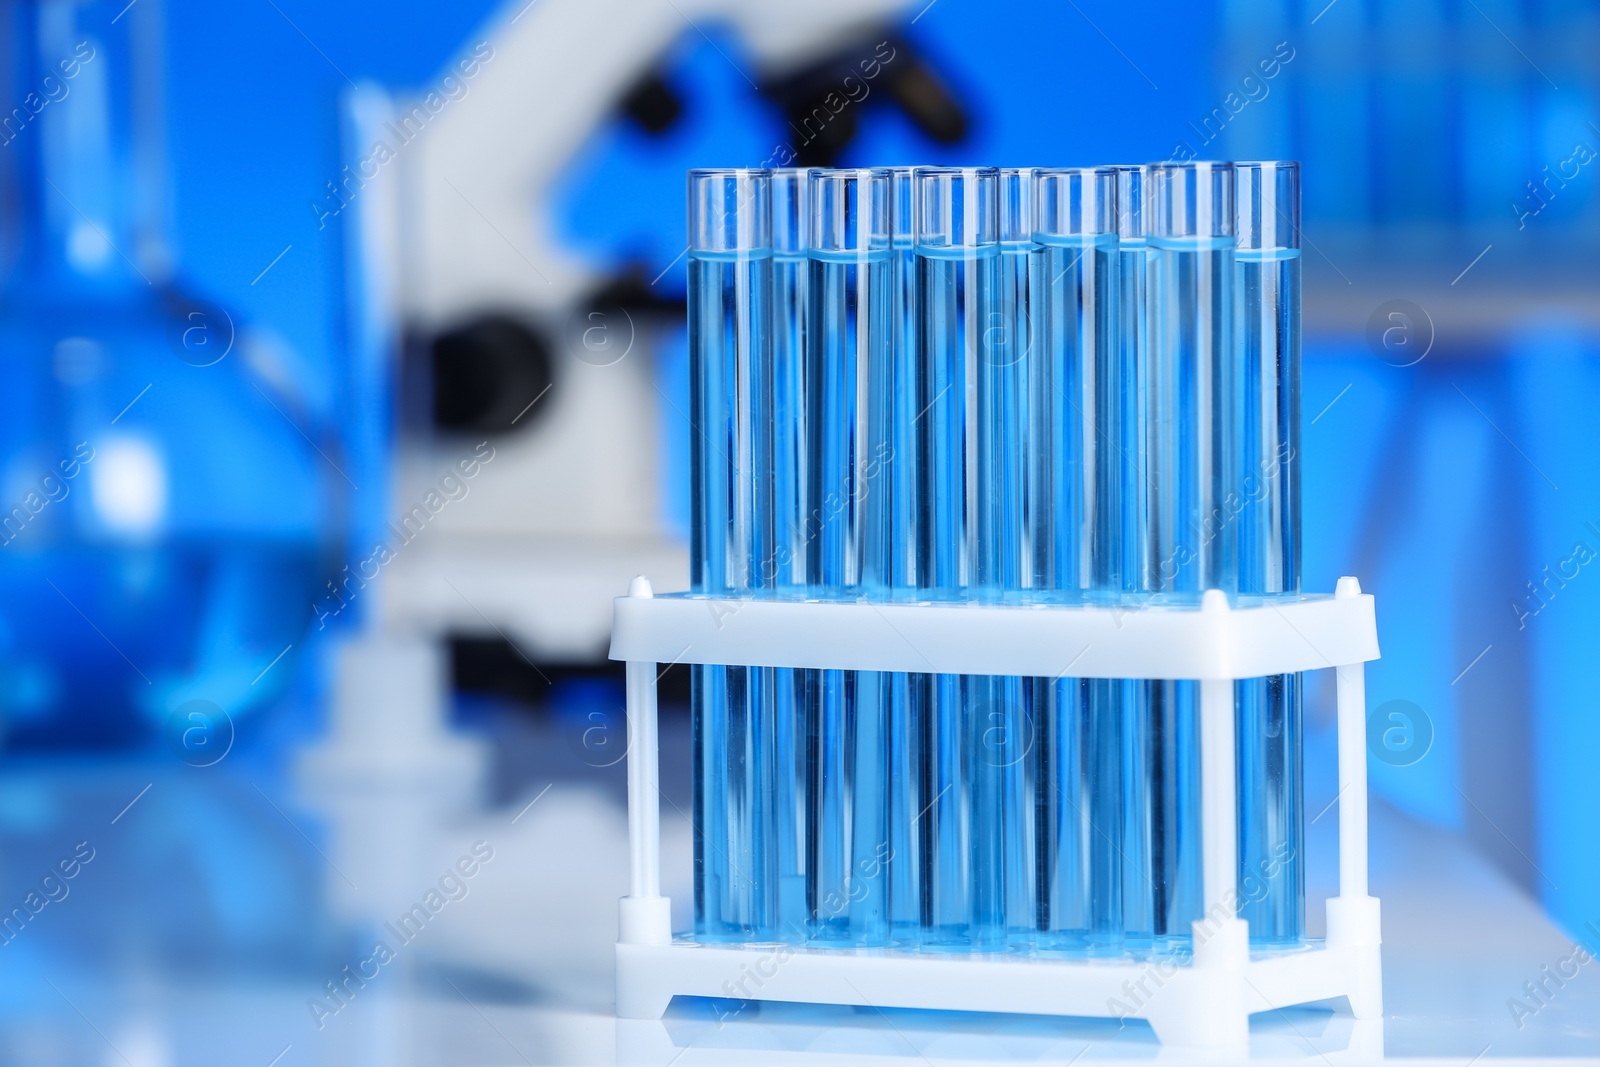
1205,1002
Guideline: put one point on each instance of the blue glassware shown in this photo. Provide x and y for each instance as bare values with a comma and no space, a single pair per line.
734,735
787,564
1190,540
1077,417
963,812
1271,816
849,371
168,522
910,694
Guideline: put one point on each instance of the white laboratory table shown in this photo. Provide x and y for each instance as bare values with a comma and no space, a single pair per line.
518,971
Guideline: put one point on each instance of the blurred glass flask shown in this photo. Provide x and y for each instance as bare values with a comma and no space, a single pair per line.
166,521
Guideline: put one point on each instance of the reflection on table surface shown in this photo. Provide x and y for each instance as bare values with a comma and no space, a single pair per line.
161,914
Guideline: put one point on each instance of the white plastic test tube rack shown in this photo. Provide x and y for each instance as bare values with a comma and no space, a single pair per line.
1206,1002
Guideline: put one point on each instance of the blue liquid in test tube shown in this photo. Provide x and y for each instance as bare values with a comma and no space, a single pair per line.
1271,815
910,694
1078,407
962,818
790,232
849,372
1005,552
733,735
1140,754
1190,539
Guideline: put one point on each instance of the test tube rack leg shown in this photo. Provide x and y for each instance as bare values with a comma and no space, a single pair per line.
1206,1002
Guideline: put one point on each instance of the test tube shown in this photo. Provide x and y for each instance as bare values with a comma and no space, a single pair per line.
1267,269
849,372
1189,539
786,562
910,694
1141,816
1005,556
730,347
1077,417
962,818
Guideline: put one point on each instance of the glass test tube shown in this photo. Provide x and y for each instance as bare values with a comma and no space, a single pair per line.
1077,417
1189,538
787,564
730,345
849,375
1267,269
1005,557
1142,819
910,694
962,818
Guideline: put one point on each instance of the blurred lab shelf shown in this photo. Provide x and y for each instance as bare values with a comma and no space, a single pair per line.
1473,297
